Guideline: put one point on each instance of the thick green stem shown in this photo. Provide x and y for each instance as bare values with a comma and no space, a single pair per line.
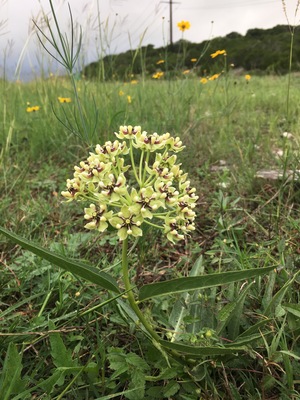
176,356
130,295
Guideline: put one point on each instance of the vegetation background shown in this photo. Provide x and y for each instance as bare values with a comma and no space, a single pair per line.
63,337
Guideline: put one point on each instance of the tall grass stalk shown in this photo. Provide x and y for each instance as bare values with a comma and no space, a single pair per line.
292,29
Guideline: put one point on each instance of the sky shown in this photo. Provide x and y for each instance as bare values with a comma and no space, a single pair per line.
121,25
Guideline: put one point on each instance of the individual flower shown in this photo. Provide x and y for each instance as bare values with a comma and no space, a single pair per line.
129,99
92,169
127,223
160,62
110,150
218,53
186,72
158,75
113,188
151,142
32,109
64,99
287,135
214,77
145,202
167,193
176,228
97,216
247,77
183,25
121,93
203,81
75,189
128,132
193,60
133,81
174,143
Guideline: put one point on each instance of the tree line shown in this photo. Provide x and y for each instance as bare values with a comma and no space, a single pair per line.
260,51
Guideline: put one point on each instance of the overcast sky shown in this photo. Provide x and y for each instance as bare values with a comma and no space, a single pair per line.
124,24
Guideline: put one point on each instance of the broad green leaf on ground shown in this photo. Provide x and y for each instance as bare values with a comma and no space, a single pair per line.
198,282
10,379
62,357
87,272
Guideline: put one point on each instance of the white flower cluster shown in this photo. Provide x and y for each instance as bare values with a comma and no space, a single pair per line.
135,180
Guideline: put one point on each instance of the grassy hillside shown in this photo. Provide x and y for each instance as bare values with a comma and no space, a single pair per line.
264,51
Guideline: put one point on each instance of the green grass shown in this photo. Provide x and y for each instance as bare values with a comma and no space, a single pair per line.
60,343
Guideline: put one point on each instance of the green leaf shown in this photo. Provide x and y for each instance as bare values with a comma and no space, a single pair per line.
62,357
254,329
292,308
233,317
137,383
279,296
57,378
290,354
197,351
198,282
11,382
77,268
136,361
171,389
180,308
225,311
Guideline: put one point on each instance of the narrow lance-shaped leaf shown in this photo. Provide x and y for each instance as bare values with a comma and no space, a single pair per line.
197,351
84,271
198,282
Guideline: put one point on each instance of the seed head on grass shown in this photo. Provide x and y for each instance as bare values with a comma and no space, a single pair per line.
134,181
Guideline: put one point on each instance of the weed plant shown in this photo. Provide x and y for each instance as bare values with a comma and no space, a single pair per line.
63,336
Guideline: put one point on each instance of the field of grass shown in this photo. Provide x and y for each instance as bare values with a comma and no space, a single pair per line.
213,316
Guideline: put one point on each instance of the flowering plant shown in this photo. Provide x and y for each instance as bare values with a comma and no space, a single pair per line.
134,181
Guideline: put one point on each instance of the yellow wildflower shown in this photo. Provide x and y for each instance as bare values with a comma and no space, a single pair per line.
121,93
134,82
64,99
32,109
157,75
193,60
187,71
214,77
160,62
247,77
203,81
183,25
218,53
129,100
